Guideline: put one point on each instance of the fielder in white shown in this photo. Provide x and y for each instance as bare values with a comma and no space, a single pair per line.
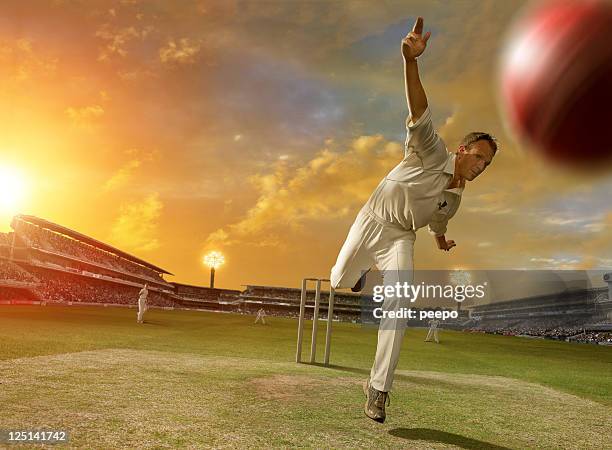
433,331
425,188
142,302
261,315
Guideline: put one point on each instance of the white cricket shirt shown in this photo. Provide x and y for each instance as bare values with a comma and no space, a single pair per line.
414,193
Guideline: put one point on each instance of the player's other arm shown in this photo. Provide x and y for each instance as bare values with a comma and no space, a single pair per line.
413,45
443,244
437,228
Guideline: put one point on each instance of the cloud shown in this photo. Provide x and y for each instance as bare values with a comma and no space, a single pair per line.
185,51
22,62
123,175
573,262
116,40
136,75
332,184
86,116
489,210
605,262
585,224
136,228
561,221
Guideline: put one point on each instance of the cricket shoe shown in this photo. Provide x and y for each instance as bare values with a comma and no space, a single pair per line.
375,402
360,283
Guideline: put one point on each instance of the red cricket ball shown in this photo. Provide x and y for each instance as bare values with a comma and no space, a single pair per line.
556,81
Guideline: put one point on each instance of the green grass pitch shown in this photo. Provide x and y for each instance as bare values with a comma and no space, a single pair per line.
193,379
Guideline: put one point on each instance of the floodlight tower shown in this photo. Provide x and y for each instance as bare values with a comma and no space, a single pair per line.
213,260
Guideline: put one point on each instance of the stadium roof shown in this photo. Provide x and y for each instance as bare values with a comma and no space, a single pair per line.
88,240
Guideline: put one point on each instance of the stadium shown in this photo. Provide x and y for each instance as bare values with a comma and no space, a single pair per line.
46,263
202,374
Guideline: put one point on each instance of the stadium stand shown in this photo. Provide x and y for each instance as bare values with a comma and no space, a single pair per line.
61,287
10,271
47,237
572,316
201,297
282,301
51,263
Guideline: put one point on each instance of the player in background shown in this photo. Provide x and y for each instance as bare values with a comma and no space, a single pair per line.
433,331
261,315
142,302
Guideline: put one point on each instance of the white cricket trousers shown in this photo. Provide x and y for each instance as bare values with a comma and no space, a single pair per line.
391,249
433,332
141,310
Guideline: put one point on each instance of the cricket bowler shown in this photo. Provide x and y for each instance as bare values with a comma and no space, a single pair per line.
425,188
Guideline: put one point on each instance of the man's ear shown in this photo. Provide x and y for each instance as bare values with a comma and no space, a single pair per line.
461,149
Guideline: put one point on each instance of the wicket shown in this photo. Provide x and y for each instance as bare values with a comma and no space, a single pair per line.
315,321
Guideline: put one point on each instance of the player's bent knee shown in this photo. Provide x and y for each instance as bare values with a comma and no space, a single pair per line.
334,279
340,282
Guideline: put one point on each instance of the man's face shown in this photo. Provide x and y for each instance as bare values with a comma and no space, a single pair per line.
474,160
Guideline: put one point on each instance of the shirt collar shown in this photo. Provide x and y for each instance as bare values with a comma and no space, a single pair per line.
449,168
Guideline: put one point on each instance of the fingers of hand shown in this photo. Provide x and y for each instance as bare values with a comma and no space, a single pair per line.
411,46
417,31
418,25
413,37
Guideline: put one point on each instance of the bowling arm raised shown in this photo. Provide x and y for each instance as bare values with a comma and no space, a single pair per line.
415,93
413,46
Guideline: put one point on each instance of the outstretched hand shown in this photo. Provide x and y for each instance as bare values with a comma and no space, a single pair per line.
443,244
413,45
448,245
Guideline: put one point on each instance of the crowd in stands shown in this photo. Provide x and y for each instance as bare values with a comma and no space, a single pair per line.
4,244
292,295
270,309
9,294
61,287
4,239
565,329
274,300
593,337
206,296
12,272
536,331
58,243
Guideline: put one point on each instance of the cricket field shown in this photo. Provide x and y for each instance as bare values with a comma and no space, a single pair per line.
190,379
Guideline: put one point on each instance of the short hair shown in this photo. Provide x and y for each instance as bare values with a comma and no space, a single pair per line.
476,136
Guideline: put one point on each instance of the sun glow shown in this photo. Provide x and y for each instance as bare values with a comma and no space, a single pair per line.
12,190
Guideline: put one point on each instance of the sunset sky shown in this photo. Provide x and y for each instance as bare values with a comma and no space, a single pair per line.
259,128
